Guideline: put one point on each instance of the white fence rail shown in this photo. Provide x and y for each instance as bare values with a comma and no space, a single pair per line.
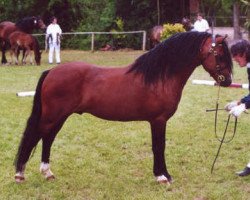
104,33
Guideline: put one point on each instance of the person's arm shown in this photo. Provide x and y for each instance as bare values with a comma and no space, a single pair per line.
247,105
60,30
195,26
207,26
248,76
48,30
47,36
237,107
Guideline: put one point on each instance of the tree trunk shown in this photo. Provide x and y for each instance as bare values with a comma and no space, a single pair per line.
248,22
158,12
236,21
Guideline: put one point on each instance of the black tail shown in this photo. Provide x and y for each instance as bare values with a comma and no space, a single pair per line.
31,135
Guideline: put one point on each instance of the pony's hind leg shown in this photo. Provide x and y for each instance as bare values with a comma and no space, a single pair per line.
32,133
46,148
25,149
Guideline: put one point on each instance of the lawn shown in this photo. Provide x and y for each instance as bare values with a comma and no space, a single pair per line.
98,159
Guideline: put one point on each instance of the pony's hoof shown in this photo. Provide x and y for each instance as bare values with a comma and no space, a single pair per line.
163,180
19,179
50,178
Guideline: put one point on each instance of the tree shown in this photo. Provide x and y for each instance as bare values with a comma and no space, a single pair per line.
236,20
247,12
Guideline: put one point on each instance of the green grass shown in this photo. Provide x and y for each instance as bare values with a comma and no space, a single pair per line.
98,159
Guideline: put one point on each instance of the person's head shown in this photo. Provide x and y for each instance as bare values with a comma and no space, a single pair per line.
199,16
53,20
241,52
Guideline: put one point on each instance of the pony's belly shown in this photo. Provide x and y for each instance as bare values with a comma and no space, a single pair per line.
118,117
126,112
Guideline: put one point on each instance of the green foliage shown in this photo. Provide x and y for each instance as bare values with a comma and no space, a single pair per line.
171,29
101,15
118,39
97,16
246,7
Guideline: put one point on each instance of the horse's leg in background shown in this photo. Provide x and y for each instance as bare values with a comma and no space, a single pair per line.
26,53
4,48
12,53
47,143
31,57
16,49
18,53
158,131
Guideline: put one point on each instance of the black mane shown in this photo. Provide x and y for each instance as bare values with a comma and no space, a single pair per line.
28,24
172,54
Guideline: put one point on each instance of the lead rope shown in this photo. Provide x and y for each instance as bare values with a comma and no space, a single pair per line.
225,131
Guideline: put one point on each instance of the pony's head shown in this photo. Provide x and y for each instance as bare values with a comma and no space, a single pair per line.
28,24
216,60
38,57
38,22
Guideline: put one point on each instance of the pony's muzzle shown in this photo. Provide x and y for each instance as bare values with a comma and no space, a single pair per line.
223,81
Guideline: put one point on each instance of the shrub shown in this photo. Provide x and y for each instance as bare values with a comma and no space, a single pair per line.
171,29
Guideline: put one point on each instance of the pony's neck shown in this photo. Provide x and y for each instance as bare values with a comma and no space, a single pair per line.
25,26
184,74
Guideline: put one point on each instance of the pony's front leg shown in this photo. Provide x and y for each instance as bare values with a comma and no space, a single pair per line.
4,47
45,170
158,129
31,58
15,50
19,176
25,56
11,56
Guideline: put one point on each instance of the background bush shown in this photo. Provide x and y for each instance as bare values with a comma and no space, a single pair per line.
171,29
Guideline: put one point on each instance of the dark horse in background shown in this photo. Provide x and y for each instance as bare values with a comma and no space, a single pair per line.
28,43
156,31
27,25
151,87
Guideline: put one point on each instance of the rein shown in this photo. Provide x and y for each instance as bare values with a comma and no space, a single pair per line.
221,140
219,80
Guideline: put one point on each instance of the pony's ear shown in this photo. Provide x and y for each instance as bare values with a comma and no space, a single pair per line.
221,39
34,19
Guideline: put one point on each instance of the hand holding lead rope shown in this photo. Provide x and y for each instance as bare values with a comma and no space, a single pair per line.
228,107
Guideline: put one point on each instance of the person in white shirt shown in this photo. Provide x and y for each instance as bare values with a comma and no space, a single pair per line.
53,35
201,25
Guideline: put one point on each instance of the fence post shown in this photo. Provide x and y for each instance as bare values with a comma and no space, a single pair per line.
92,41
144,41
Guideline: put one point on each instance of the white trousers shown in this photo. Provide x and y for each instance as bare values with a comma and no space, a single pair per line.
54,47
